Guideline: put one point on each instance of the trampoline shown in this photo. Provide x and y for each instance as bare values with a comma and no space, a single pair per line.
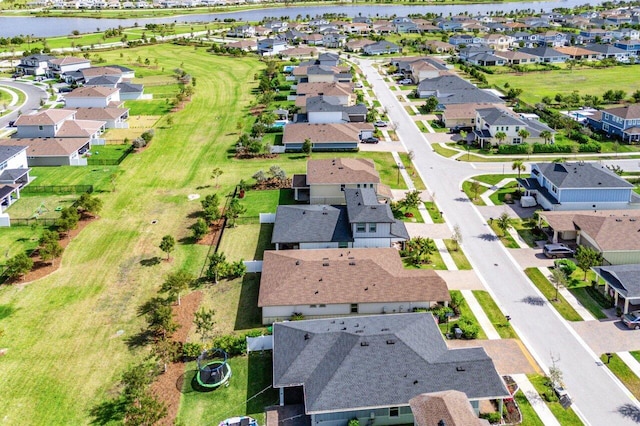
239,421
213,370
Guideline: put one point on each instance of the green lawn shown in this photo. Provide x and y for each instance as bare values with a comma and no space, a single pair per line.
636,355
416,218
499,197
494,179
624,373
408,164
148,107
251,375
504,237
107,152
465,311
496,316
445,152
537,85
458,255
258,202
246,241
434,212
548,290
582,294
44,205
422,127
529,415
565,417
98,176
14,240
410,110
525,230
436,263
473,195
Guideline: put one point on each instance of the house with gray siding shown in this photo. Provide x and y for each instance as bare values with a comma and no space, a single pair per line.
578,186
369,368
52,151
326,136
622,283
14,174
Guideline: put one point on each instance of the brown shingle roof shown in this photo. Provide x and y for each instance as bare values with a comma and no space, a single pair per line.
371,275
48,147
92,92
48,117
626,112
451,407
98,71
100,113
612,232
342,170
79,128
331,89
324,132
67,60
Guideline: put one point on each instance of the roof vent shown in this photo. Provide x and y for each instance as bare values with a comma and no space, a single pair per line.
324,213
415,382
618,220
391,342
373,207
460,369
351,257
352,263
307,337
632,220
385,329
317,291
304,212
297,262
363,343
325,264
344,329
366,289
359,331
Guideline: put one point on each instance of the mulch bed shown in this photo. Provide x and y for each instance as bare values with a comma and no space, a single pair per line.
41,268
167,386
214,235
273,184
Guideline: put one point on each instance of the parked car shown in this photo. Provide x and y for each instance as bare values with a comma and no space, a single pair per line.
632,320
370,140
405,81
380,124
12,123
553,251
359,85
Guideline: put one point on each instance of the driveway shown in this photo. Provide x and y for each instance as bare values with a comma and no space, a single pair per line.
608,336
508,355
437,231
382,146
461,280
530,258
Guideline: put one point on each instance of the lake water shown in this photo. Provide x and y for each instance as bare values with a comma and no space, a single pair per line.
50,27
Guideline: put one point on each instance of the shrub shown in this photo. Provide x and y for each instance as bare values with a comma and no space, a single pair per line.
297,316
493,418
440,312
567,266
354,422
139,143
469,329
148,135
192,350
235,344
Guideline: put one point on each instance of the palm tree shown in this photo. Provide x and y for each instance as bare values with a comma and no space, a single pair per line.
519,166
501,136
546,135
503,223
524,134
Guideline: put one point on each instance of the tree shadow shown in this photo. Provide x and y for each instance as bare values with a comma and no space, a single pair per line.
248,314
152,261
6,311
630,411
264,240
108,412
188,240
138,340
533,300
195,214
203,187
488,237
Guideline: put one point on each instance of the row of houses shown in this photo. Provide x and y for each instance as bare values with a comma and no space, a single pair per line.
337,264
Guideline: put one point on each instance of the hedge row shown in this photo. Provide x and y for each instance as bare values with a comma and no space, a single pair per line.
548,148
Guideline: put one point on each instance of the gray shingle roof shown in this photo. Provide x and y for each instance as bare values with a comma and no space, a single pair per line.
320,104
605,49
376,361
310,224
11,175
130,88
110,80
543,52
498,117
624,278
581,175
363,206
451,89
7,152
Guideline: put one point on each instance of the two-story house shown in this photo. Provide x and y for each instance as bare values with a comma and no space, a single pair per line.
492,122
271,46
42,124
59,66
242,31
623,122
577,186
94,96
14,174
34,64
327,110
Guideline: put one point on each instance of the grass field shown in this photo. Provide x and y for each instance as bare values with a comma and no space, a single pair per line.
529,416
108,152
624,373
565,417
496,316
14,240
45,205
246,241
537,85
458,255
434,212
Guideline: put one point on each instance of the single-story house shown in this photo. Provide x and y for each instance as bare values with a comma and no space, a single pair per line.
381,48
621,282
546,54
326,136
369,367
92,97
53,151
451,89
329,110
492,121
14,173
578,186
114,118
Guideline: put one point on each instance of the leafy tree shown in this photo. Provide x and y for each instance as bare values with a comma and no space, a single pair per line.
48,236
546,135
501,136
68,219
586,258
167,245
307,147
430,105
519,166
259,176
160,320
176,283
217,265
558,279
19,265
234,210
89,203
215,174
166,351
205,323
524,134
475,188
411,200
503,222
276,172
418,250
529,150
210,200
457,236
211,214
147,410
199,229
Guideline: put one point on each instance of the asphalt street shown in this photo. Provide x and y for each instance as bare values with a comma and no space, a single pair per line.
34,94
598,397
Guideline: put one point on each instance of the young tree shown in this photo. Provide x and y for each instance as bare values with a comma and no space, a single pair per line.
68,219
166,351
205,323
307,147
160,320
411,200
176,283
167,245
199,229
430,105
234,210
475,188
145,410
18,265
217,265
558,279
529,150
586,258
503,222
519,166
215,174
51,250
89,203
457,236
524,134
418,250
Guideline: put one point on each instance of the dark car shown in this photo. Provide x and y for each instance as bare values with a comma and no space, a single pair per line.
370,140
12,123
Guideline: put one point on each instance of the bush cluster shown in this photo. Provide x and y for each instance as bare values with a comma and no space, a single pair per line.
548,148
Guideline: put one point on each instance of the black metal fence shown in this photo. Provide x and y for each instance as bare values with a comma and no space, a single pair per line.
92,161
56,189
32,221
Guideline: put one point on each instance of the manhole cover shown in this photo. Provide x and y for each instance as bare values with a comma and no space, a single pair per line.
154,221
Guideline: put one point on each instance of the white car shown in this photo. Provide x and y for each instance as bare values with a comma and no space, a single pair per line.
405,81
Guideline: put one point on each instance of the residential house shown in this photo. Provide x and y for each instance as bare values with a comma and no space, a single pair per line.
462,116
327,110
59,66
594,35
578,53
437,46
493,120
328,59
313,39
623,122
321,74
517,57
524,39
449,408
381,48
93,72
242,31
468,52
333,283
34,64
14,174
632,47
578,186
357,45
276,26
497,41
463,40
630,34
334,40
340,93
552,39
404,25
320,361
607,51
299,52
93,97
114,118
42,124
246,45
326,136
130,91
271,46
451,89
326,180
546,54
622,283
420,68
487,60
52,151
357,28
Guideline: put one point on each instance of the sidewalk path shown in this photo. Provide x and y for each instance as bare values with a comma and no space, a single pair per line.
477,310
518,239
541,409
631,362
575,303
446,256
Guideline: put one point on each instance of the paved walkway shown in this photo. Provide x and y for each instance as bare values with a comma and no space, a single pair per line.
575,303
446,256
461,280
508,355
631,362
482,318
429,230
517,238
541,409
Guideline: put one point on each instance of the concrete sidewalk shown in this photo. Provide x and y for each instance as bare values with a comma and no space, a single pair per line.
631,362
446,256
482,318
541,409
575,303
